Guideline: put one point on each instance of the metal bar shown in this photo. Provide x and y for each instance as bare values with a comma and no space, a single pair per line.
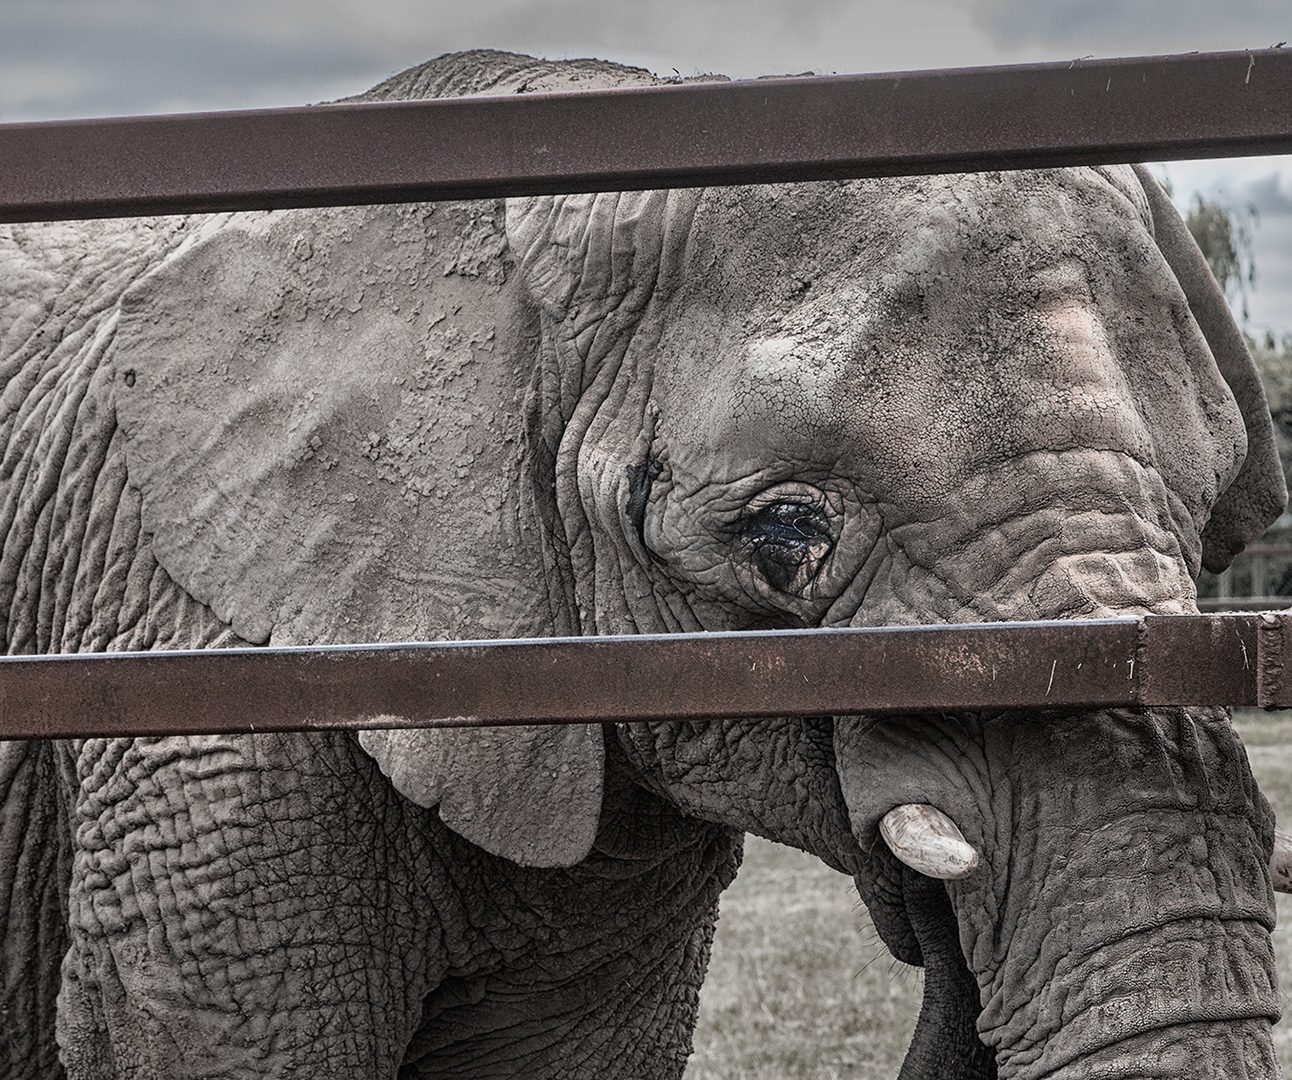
1200,659
1243,603
1046,665
1283,551
757,131
1274,675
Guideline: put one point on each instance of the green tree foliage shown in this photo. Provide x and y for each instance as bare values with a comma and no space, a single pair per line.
1224,233
1273,358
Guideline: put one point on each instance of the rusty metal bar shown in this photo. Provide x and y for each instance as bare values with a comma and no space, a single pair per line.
1243,603
1274,656
1159,660
1030,116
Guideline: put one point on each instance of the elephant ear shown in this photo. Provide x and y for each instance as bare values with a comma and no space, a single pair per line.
323,412
1258,493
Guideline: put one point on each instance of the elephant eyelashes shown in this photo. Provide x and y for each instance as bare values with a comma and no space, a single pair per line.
789,542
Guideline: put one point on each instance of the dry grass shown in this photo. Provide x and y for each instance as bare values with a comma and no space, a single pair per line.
800,986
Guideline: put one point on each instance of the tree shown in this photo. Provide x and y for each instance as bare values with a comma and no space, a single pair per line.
1224,233
1273,358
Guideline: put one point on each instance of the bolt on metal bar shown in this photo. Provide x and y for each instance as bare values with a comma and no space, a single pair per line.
752,131
1157,660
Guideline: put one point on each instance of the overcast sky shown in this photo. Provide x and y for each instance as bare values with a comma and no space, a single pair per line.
69,58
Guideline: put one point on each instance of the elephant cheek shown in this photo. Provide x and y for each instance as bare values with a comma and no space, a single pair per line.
914,759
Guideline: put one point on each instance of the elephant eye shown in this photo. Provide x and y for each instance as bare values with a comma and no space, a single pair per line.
788,541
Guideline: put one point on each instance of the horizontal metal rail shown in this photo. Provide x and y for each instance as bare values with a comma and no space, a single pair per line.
1159,660
1243,603
753,131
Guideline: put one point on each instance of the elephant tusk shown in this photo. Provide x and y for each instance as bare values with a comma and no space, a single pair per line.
927,841
1281,862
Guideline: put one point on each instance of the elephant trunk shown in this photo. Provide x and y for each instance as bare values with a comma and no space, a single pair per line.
945,1044
1119,922
1209,1050
1125,968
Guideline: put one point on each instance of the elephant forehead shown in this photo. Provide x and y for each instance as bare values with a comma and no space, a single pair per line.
765,243
1005,317
804,298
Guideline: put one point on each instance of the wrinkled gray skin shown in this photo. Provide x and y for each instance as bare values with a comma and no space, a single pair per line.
936,399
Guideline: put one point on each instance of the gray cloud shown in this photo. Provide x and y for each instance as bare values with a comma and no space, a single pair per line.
62,58
1264,187
1271,304
96,57
1119,27
74,58
1270,196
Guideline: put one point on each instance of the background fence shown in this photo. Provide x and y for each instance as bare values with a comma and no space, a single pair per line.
1260,578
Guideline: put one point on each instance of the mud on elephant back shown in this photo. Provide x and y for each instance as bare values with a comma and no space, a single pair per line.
987,397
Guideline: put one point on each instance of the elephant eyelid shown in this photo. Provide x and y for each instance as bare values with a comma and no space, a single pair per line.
786,522
783,537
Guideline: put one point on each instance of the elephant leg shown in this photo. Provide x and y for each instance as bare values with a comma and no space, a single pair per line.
630,1019
593,971
240,908
945,1045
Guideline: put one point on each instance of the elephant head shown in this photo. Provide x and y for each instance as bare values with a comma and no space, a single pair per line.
861,403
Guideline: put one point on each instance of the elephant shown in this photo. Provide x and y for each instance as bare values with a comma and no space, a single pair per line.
935,399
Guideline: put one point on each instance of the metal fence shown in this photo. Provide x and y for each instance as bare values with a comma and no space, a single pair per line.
1259,578
1047,115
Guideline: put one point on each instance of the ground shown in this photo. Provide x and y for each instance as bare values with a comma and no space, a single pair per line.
800,986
